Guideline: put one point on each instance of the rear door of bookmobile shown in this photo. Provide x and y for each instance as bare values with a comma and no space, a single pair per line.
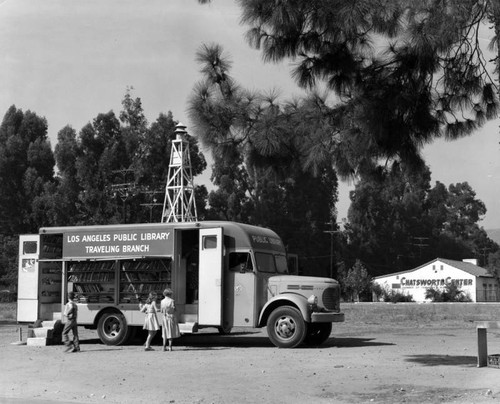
39,277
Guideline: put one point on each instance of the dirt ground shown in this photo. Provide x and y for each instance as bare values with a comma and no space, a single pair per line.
369,364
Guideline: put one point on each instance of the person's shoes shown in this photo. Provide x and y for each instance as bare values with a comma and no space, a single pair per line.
76,349
170,349
69,347
149,349
164,349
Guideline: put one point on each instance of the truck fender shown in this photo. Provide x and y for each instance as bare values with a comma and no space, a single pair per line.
287,299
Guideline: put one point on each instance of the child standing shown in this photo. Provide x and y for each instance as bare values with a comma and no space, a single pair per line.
150,322
71,313
169,325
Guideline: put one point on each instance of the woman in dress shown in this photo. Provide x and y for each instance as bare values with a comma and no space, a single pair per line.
151,321
169,325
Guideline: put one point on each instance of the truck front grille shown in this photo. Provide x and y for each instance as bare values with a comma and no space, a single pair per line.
331,299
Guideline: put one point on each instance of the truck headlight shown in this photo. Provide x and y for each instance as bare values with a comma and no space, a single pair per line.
313,301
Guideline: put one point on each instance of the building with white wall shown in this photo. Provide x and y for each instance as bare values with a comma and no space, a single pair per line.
474,280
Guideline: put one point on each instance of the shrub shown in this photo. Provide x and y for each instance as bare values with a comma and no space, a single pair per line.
7,296
8,311
377,290
396,297
389,295
451,293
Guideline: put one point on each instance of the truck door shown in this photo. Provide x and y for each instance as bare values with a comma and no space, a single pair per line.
210,277
242,296
27,289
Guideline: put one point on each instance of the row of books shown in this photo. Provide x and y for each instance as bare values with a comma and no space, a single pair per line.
88,288
95,299
144,287
145,265
52,270
145,277
91,277
92,266
50,281
51,247
47,293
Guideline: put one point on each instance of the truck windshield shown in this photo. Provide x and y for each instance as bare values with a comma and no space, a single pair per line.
271,263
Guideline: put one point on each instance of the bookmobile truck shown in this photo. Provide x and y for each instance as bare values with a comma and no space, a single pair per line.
223,275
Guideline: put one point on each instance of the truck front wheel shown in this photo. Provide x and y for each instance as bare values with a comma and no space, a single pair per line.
112,328
317,333
286,328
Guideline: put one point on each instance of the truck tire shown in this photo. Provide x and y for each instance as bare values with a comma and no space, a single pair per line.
317,333
286,328
112,328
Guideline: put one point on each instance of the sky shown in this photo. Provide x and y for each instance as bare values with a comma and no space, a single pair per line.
69,60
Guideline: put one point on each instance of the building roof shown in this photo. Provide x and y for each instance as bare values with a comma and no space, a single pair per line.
472,269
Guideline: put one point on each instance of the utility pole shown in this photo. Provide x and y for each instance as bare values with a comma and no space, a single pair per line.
179,203
332,233
152,203
484,250
420,244
123,190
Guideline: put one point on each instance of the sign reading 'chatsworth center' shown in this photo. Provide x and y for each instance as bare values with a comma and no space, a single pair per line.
429,283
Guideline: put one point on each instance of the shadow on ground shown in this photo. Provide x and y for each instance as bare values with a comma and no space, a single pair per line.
205,339
249,339
443,360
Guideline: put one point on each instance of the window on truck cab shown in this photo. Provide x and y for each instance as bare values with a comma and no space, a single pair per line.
271,263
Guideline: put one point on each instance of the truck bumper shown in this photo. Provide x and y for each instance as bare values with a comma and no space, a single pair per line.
327,317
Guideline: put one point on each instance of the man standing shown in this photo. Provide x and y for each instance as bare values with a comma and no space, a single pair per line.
71,313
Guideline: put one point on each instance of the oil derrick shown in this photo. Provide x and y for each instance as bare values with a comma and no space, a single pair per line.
179,203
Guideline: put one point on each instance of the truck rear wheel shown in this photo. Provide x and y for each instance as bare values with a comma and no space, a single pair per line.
286,328
317,333
112,328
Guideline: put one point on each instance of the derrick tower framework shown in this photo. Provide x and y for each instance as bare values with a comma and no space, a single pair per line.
179,204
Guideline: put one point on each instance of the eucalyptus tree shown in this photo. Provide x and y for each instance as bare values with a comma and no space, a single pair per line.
386,215
67,152
26,171
398,221
115,169
103,153
26,168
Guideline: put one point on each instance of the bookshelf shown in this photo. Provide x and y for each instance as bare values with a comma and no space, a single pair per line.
139,278
51,246
50,282
93,281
